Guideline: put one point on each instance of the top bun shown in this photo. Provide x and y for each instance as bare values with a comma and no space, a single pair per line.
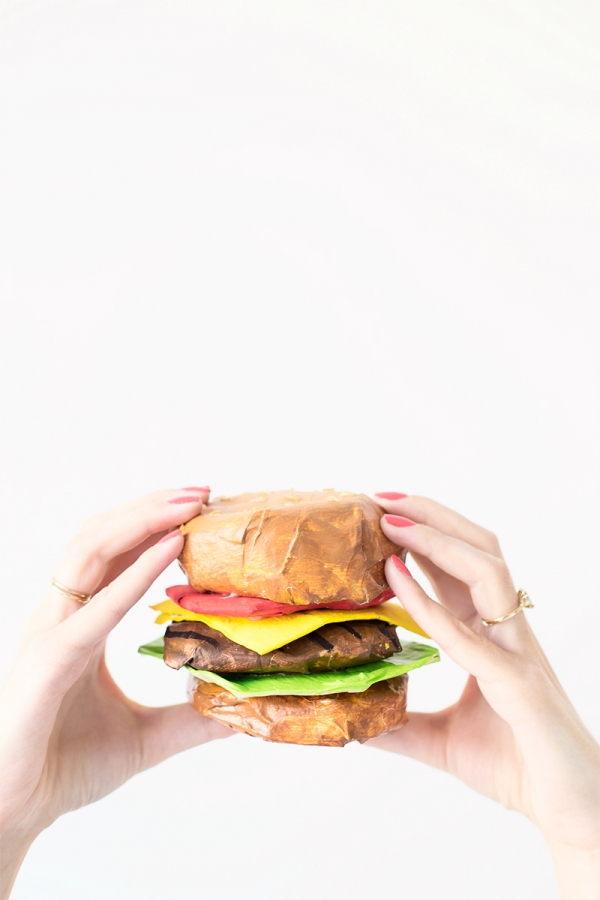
289,546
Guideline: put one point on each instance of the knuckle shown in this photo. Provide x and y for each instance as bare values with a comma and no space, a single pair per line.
424,510
491,542
495,568
91,522
424,535
109,600
451,642
153,521
89,545
78,543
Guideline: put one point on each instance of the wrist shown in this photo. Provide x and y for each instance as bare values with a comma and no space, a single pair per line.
14,846
577,871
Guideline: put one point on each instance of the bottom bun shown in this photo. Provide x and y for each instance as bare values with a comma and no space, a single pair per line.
328,721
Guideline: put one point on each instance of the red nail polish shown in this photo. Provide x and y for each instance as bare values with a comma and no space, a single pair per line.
205,489
185,500
400,565
391,495
169,535
399,521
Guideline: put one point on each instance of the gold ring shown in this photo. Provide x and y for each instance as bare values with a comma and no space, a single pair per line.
524,603
72,595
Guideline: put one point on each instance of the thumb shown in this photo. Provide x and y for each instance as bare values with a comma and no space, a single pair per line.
423,738
168,730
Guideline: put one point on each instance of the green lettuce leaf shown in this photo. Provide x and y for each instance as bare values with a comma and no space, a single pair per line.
358,678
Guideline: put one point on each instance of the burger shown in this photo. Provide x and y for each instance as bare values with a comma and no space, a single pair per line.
286,624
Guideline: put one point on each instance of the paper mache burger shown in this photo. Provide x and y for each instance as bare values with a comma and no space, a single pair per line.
287,625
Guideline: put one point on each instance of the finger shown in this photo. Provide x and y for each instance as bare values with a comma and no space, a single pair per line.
450,591
471,651
91,552
172,729
92,623
508,683
107,536
487,576
428,512
423,737
132,505
124,560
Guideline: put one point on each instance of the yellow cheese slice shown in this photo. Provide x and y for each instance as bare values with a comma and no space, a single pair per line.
264,635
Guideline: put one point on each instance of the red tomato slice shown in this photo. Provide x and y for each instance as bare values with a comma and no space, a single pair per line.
248,607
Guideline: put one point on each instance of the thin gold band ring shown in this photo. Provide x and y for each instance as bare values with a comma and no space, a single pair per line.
71,594
524,603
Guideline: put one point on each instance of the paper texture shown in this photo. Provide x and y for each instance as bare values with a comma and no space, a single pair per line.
291,547
264,635
250,607
358,678
334,646
323,721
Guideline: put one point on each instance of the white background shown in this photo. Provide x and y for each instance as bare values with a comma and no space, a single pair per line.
313,244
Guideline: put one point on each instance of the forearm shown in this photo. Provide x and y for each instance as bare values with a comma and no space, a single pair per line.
13,849
577,873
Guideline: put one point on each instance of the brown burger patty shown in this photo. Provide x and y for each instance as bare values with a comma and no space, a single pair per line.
335,646
331,721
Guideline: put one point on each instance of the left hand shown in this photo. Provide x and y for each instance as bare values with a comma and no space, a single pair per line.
69,734
513,734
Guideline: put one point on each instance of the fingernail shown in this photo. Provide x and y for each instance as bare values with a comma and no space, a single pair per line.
169,535
398,521
205,489
185,500
400,565
391,495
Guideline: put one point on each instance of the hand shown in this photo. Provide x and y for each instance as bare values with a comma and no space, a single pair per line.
513,735
69,735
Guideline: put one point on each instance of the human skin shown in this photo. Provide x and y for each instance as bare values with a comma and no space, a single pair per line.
69,735
513,734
